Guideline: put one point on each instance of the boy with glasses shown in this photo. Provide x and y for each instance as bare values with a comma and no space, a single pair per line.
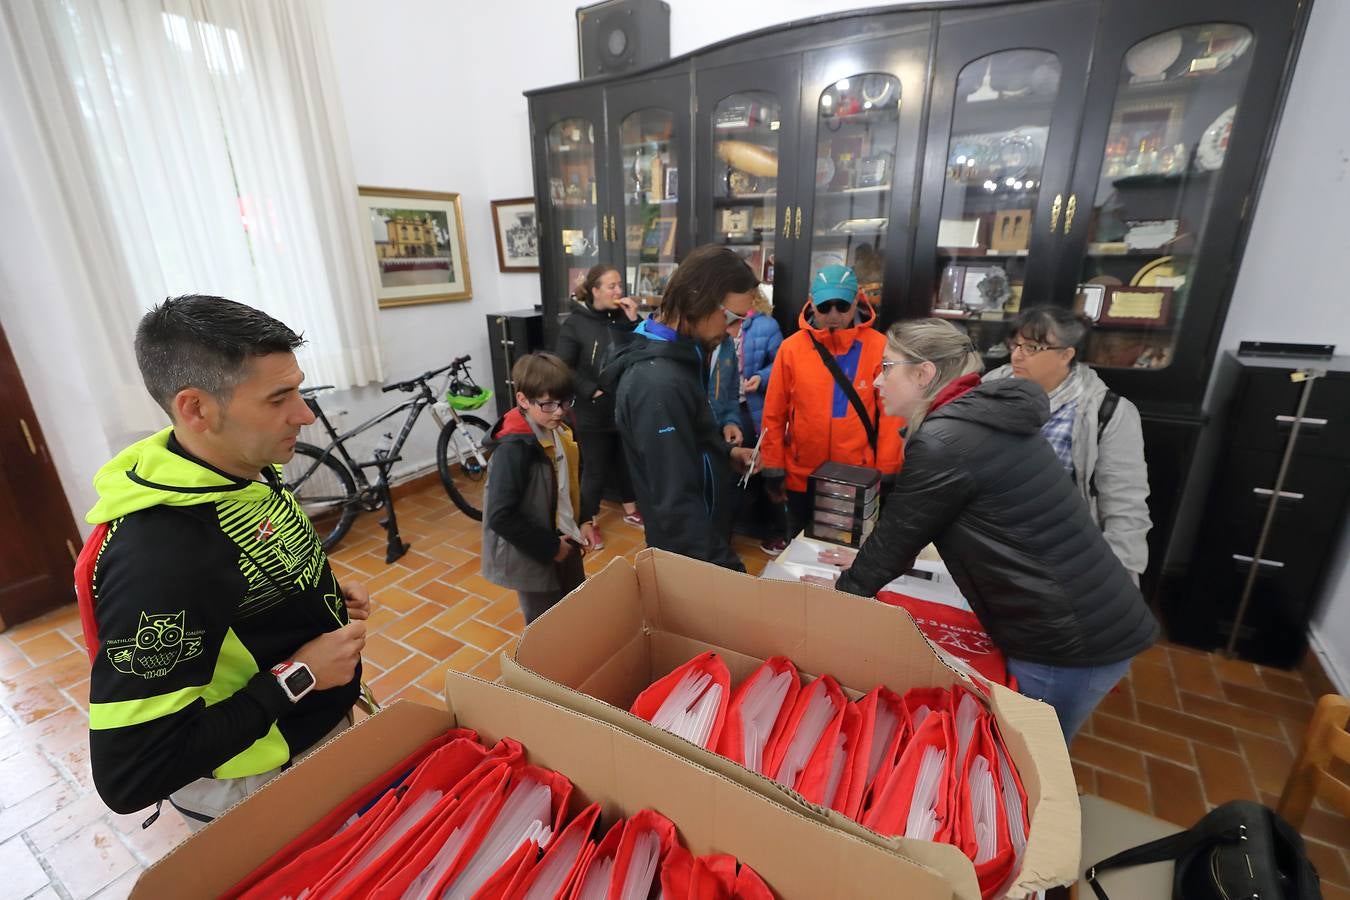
822,405
532,542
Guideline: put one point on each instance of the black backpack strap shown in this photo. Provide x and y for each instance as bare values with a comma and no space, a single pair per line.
1105,412
869,425
1225,821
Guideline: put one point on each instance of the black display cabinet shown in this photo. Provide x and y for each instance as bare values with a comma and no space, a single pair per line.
511,335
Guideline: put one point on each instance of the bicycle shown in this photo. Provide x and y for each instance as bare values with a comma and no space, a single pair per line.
332,487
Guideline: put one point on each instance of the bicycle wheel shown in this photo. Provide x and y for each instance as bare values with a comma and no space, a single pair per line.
458,452
325,489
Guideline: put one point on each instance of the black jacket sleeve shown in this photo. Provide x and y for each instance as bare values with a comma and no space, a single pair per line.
663,430
507,482
163,617
570,350
929,493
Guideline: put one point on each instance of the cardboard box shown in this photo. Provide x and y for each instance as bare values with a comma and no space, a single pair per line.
628,626
797,857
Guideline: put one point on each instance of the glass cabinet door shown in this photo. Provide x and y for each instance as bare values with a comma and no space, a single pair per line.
995,177
574,202
747,143
857,130
650,161
1176,97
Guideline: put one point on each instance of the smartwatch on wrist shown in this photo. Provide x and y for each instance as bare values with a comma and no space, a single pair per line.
295,679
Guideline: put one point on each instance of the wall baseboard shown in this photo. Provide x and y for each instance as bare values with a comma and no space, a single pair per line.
1321,670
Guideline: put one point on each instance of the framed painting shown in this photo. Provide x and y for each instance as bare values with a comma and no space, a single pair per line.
415,245
516,226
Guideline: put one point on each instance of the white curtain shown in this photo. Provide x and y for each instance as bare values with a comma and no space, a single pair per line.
199,146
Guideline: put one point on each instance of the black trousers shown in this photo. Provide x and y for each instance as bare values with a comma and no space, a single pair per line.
602,464
799,512
571,573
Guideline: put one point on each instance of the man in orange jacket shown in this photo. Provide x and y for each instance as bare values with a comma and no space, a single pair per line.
808,417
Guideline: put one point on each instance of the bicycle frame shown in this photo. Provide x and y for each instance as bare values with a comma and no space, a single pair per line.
414,405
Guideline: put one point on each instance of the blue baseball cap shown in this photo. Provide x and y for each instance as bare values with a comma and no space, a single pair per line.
834,283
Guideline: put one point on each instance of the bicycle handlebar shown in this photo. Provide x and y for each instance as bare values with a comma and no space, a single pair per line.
413,383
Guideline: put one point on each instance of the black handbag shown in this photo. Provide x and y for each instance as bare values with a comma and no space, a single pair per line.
1239,851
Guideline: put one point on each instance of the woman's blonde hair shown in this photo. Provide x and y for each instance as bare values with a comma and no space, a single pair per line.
762,303
939,342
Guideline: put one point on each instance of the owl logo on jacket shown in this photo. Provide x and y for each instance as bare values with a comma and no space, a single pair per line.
161,643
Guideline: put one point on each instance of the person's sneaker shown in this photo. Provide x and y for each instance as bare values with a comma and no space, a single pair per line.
773,546
599,540
634,519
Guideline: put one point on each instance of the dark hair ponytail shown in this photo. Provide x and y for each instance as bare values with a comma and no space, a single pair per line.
589,282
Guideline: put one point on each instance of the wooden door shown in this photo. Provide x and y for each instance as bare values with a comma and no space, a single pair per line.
37,531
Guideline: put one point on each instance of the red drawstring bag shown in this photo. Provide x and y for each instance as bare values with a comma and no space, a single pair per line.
560,791
608,848
566,851
994,872
732,742
677,873
889,813
958,631
749,886
814,783
935,699
519,865
862,777
777,750
640,823
649,701
374,792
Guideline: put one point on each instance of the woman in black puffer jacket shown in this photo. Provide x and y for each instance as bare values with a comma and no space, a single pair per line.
980,481
602,318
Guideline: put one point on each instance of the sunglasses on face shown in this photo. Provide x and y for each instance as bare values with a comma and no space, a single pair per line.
839,306
734,317
552,406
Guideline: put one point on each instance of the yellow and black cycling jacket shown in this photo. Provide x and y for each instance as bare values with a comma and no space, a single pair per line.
202,582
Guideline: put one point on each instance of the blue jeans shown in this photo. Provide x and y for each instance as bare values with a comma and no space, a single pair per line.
1074,693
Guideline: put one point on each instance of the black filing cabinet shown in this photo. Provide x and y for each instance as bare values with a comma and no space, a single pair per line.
1310,510
511,335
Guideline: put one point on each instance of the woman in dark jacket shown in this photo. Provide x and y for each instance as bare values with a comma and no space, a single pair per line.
602,318
982,483
680,461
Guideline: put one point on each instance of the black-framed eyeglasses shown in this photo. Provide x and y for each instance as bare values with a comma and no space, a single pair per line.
839,306
1030,349
552,406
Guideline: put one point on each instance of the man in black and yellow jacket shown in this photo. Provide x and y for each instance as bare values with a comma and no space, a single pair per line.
222,646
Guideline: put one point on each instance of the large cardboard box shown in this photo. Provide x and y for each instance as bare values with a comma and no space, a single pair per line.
797,857
632,624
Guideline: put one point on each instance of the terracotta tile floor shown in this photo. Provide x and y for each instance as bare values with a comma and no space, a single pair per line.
1186,731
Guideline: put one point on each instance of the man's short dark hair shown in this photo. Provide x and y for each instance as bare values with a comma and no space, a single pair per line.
542,375
204,342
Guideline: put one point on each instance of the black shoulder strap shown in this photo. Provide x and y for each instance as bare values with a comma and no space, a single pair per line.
869,425
1105,412
1224,822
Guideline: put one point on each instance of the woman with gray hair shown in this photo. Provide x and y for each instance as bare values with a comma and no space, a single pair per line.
1095,432
981,483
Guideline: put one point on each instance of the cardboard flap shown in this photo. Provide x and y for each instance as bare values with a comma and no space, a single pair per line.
253,830
796,856
591,618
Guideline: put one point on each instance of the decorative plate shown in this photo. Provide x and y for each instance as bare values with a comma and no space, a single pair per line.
1152,57
1213,146
1108,280
1227,43
824,170
1158,268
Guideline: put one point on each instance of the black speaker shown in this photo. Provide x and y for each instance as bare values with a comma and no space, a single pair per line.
622,35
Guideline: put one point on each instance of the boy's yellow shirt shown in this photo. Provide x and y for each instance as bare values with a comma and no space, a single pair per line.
573,457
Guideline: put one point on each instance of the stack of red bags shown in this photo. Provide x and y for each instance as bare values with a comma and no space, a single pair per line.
459,820
929,765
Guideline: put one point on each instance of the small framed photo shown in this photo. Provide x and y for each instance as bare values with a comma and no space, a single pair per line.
632,239
517,229
1090,299
650,284
736,222
961,234
672,183
659,239
949,290
416,247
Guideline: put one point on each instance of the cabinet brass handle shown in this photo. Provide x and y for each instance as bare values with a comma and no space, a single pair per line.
604,227
1243,558
798,232
787,222
613,229
1306,420
1068,213
1054,212
28,436
1284,495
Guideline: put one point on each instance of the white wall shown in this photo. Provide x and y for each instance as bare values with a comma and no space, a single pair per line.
1290,287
